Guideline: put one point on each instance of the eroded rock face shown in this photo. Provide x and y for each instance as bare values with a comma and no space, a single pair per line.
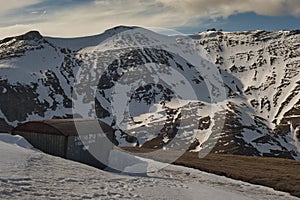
259,70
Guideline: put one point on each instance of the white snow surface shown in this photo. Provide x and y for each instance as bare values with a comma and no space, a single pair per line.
29,174
16,140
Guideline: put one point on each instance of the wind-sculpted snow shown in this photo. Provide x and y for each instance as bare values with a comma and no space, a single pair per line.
212,91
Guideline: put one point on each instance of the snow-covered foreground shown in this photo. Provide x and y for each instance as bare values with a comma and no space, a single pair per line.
28,174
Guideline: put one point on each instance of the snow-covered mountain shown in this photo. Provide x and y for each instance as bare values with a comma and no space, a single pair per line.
225,92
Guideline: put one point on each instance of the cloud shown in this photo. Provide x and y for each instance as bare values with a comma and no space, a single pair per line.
225,8
95,16
7,6
92,18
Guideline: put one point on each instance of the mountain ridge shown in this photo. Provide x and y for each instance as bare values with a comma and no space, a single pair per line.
52,74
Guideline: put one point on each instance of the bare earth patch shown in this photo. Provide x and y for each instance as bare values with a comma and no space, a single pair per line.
280,174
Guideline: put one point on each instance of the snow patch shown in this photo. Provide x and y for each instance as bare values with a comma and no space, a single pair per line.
16,140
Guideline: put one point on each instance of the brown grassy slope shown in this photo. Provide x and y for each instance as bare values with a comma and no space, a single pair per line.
280,174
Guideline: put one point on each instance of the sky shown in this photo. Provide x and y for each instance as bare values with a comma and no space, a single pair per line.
76,18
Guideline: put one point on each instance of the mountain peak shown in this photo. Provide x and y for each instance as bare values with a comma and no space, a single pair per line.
31,35
118,29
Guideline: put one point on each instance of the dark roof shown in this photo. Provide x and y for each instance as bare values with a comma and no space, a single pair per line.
67,127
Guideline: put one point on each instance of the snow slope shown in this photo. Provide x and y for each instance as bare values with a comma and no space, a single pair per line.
28,174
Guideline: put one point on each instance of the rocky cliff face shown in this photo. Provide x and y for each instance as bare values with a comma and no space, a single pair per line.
267,65
225,92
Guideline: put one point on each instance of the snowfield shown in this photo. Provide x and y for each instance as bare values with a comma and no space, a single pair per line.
29,174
